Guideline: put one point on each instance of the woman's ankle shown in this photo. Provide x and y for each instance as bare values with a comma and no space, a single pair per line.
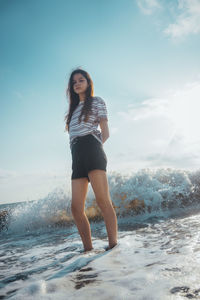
88,249
110,246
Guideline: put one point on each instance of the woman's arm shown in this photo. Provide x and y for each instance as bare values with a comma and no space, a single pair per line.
104,129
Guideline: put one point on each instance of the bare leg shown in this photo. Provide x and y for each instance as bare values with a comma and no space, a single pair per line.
79,193
100,187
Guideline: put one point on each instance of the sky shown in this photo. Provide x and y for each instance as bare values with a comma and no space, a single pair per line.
143,57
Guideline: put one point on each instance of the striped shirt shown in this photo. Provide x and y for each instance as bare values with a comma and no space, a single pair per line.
98,112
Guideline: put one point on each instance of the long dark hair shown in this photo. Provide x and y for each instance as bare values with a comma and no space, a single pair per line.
74,98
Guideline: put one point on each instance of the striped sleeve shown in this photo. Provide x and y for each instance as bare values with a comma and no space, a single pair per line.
102,110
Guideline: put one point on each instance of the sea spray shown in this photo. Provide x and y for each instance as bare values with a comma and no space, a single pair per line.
145,193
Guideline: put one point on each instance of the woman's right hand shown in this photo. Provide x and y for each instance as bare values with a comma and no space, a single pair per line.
66,127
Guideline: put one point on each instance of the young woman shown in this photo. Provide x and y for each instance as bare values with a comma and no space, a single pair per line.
89,160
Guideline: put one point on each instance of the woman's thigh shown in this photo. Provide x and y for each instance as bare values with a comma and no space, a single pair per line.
99,182
79,193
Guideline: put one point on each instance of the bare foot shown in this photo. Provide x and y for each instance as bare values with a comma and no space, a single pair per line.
110,247
87,250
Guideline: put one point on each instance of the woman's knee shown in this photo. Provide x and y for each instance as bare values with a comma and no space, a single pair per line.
104,203
76,210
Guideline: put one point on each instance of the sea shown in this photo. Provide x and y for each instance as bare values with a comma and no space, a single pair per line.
157,256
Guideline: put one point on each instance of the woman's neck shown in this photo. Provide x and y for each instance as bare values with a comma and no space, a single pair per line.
82,97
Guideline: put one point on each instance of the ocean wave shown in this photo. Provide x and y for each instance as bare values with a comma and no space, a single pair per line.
143,193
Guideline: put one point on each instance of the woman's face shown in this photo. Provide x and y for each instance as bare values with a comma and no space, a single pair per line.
79,83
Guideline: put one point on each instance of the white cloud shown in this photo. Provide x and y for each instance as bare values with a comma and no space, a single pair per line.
4,174
186,160
18,186
188,20
180,106
148,6
147,109
45,175
165,129
186,14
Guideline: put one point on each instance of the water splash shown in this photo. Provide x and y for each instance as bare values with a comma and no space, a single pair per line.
147,193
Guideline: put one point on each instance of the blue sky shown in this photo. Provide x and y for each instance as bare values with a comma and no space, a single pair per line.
144,59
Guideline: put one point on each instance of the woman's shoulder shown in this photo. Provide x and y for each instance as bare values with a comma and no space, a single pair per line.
98,100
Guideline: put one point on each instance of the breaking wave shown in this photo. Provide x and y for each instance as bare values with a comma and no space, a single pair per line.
143,194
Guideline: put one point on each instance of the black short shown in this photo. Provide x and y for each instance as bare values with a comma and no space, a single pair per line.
87,154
